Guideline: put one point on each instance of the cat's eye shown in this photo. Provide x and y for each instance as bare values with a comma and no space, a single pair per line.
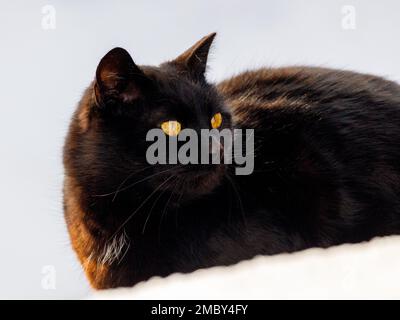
216,120
171,128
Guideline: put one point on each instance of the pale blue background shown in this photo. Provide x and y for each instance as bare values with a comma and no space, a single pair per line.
43,73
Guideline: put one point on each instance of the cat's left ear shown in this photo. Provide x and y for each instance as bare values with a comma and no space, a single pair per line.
194,60
118,78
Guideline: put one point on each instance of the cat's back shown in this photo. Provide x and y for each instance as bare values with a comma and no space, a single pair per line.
307,88
354,117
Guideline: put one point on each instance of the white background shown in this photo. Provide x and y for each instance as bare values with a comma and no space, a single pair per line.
44,72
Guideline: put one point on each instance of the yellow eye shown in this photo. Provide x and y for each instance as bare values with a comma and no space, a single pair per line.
171,128
216,121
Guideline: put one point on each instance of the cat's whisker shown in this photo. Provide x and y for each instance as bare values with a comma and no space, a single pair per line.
141,205
151,209
133,184
144,179
127,178
179,201
166,206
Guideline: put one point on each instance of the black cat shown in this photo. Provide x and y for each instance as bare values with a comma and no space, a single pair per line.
327,167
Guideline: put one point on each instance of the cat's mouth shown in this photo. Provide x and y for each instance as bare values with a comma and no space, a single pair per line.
206,179
194,180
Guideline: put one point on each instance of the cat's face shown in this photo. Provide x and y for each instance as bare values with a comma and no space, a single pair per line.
131,100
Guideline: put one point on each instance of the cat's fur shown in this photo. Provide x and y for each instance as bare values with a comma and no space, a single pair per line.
327,166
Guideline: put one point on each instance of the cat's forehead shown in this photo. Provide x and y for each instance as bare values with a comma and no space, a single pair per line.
166,75
177,85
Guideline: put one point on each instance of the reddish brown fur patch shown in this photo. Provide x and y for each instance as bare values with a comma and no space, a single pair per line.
82,240
84,108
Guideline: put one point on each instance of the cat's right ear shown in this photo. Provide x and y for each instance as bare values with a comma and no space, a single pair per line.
118,79
194,60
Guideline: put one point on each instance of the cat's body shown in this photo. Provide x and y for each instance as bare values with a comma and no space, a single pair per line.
327,170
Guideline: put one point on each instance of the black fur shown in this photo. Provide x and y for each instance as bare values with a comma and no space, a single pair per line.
327,167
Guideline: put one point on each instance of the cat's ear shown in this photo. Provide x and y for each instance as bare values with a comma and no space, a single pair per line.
118,78
194,60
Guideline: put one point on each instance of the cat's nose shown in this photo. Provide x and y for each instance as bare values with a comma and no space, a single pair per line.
216,149
215,146
211,149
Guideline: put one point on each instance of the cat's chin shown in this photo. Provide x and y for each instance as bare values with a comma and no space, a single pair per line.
195,181
204,182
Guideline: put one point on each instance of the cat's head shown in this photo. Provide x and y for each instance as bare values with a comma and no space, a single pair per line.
127,100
